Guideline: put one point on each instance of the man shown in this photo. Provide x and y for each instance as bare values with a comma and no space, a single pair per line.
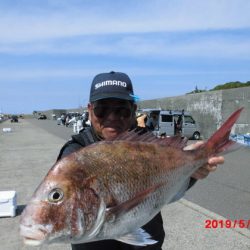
152,122
141,120
111,112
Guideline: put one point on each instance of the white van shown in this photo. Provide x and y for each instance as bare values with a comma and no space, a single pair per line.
174,122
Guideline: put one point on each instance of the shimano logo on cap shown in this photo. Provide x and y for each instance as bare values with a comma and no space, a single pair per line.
110,82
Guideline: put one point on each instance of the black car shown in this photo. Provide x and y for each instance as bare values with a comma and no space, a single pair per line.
14,118
42,117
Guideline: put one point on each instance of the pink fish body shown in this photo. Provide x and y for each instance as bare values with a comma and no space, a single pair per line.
109,189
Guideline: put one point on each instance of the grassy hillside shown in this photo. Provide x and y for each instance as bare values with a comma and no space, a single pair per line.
232,85
228,85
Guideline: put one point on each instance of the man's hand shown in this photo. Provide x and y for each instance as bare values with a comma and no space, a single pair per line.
210,166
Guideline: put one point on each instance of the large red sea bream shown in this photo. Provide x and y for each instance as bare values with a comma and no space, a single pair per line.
109,189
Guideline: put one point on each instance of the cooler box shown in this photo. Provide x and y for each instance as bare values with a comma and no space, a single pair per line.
7,203
6,130
247,139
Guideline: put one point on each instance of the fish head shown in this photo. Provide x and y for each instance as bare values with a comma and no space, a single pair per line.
64,208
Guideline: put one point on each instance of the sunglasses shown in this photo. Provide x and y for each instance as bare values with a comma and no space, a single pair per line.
103,111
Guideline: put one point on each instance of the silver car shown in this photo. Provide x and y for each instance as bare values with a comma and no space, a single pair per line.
174,122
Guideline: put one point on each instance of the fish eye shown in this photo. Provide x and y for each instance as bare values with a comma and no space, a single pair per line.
55,195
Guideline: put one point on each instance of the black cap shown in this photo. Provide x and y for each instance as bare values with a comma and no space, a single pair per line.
111,85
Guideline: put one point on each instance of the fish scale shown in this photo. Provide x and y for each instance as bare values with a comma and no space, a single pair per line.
126,178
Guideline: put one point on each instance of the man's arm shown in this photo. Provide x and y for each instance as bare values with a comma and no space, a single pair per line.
201,173
210,166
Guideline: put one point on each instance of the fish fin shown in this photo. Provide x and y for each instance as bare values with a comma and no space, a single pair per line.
137,136
133,202
138,238
219,142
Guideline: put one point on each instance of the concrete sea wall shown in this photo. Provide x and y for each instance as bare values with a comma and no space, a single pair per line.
210,109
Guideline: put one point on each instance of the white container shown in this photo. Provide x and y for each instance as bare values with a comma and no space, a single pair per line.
6,130
7,203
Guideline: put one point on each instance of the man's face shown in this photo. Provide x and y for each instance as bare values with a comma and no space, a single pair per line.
111,117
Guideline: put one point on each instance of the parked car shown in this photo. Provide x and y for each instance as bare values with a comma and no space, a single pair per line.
173,122
42,117
14,118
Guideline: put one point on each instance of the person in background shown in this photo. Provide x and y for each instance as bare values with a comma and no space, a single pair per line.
63,119
152,122
141,120
112,110
79,124
85,119
73,122
67,120
178,125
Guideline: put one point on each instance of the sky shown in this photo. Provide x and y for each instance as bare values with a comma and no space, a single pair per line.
50,50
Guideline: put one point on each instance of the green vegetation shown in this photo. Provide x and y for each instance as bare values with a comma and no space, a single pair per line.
232,85
228,85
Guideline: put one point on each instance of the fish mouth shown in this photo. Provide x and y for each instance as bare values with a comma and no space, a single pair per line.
32,242
33,236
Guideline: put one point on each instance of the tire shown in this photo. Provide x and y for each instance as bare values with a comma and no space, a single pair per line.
196,136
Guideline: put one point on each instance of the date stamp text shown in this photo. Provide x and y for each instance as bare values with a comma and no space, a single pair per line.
227,223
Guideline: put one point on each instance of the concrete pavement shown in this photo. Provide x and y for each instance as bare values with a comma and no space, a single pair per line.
28,152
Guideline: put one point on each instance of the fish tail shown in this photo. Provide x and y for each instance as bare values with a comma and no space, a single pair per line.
219,142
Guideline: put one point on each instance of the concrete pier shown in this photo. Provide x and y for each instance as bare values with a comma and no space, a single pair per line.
28,152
